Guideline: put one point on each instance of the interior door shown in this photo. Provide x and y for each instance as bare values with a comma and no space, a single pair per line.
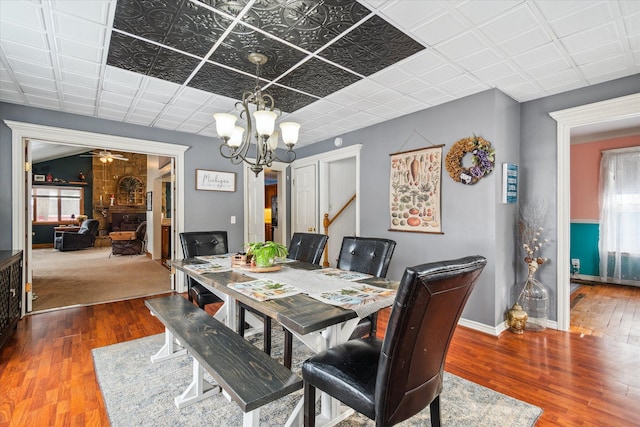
254,208
305,205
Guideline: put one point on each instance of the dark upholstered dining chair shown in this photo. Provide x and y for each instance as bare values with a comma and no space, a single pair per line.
392,380
305,247
196,243
84,238
369,255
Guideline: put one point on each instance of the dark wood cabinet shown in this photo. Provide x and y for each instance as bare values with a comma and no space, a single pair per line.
10,292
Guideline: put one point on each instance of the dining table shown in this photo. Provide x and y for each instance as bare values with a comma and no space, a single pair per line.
306,314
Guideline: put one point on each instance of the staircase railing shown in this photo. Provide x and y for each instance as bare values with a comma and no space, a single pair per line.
327,223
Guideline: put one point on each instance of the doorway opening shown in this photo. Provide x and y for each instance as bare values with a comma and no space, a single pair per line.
599,112
22,182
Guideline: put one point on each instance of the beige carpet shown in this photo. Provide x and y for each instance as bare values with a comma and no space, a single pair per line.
90,276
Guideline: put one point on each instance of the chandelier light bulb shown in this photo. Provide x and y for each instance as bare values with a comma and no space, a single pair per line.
265,122
290,133
225,124
236,137
273,140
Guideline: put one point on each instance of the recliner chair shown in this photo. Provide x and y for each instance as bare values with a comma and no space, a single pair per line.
392,380
369,255
195,243
84,238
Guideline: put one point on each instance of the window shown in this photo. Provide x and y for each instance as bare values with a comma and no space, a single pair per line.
52,204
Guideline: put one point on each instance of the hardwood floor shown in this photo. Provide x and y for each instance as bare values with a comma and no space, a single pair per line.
611,312
47,376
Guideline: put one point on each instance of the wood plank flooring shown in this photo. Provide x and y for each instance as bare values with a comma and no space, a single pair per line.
611,312
47,376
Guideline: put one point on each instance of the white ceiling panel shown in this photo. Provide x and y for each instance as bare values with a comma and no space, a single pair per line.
91,10
23,35
27,13
76,28
44,69
79,50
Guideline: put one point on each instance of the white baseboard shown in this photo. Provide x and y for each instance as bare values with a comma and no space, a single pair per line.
496,330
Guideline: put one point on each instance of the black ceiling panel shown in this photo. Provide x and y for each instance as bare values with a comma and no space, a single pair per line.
309,24
318,78
242,41
218,80
286,31
288,100
371,47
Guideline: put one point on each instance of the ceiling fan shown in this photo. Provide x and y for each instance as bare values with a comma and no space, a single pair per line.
106,156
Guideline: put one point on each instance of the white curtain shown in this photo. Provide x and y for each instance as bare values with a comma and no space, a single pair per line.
619,212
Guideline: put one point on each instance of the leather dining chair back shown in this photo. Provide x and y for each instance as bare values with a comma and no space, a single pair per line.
369,255
195,243
307,247
408,365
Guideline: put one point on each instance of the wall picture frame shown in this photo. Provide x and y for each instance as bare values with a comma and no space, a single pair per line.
414,190
215,180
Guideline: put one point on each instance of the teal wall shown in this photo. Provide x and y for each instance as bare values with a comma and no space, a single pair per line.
66,169
584,246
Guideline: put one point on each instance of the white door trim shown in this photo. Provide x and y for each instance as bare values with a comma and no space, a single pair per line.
282,195
613,109
23,131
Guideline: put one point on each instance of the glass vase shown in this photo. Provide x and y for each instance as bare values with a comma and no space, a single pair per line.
534,300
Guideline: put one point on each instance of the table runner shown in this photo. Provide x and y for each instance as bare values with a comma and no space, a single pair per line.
310,283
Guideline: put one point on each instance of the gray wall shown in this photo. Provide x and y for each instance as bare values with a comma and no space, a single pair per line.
209,210
538,152
474,220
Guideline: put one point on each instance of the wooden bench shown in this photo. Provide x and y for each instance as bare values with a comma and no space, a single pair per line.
248,376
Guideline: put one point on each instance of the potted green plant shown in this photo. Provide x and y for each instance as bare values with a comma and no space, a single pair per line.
265,253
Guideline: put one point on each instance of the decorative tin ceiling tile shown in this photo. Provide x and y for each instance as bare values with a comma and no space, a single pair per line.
215,79
372,46
309,24
289,100
242,41
181,25
305,25
145,58
150,19
318,78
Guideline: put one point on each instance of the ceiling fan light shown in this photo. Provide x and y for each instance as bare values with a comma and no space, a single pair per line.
110,159
290,132
103,159
225,124
265,122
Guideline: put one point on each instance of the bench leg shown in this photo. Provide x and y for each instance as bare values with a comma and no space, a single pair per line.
198,390
169,350
251,419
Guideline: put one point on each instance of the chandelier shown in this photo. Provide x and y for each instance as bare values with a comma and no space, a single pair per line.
236,148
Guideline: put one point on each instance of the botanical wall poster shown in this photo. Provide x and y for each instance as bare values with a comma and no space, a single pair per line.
414,200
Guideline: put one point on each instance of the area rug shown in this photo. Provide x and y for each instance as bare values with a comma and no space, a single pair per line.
138,392
91,276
